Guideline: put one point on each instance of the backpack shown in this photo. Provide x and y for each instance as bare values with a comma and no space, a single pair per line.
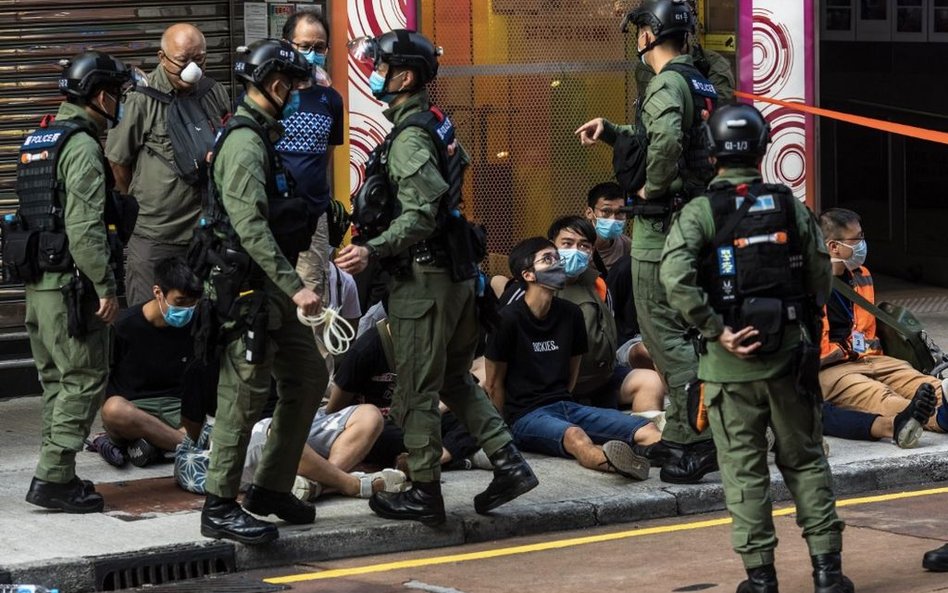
191,129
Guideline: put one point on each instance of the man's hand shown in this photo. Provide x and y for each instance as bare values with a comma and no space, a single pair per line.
732,340
308,301
353,259
590,132
108,309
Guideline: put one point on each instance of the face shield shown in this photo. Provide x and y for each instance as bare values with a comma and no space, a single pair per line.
365,52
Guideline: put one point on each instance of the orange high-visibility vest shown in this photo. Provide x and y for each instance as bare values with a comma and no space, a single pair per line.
864,322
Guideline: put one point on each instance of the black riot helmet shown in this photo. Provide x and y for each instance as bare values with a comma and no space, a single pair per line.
88,72
400,48
737,133
256,62
664,17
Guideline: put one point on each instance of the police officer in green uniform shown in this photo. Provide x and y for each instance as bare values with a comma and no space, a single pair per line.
674,167
431,303
257,291
711,64
57,245
746,264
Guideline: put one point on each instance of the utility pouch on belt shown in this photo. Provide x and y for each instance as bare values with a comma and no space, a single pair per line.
766,315
466,244
53,252
19,252
697,410
74,294
229,281
807,373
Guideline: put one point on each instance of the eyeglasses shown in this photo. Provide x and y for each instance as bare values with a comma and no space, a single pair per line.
548,259
610,213
319,47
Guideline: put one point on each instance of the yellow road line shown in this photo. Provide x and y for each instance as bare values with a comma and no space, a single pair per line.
566,543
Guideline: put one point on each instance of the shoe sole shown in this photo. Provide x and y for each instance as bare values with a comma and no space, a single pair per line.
910,434
521,490
250,541
623,461
57,504
426,520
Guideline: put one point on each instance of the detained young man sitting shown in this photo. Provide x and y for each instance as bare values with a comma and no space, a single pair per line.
532,365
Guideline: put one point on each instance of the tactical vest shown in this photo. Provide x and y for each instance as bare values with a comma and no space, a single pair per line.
756,254
456,244
34,239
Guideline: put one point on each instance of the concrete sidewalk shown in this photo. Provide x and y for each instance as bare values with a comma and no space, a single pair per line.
150,524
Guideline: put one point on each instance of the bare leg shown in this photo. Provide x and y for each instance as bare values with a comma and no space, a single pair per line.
639,358
644,390
123,420
318,469
362,429
647,435
589,455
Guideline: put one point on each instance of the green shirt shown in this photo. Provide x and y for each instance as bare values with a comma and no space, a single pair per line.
169,208
81,171
690,234
241,170
413,168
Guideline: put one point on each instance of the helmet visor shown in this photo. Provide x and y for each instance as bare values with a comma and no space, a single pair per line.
365,51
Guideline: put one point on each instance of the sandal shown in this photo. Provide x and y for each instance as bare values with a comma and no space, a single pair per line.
622,460
395,481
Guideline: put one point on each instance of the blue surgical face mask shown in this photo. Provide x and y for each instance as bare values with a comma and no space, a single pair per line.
609,228
377,86
292,104
315,58
175,316
855,261
574,261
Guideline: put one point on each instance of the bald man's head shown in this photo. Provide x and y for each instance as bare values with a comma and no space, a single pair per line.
181,44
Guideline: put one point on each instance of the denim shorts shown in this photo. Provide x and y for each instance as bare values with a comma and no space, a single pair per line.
542,430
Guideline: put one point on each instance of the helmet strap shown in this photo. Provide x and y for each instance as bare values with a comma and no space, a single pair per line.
111,117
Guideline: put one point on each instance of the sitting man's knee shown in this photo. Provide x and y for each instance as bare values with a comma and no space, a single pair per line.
114,410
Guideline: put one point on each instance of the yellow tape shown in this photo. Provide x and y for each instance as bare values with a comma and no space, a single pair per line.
566,543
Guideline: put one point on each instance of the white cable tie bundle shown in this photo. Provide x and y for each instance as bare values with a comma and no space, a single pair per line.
337,333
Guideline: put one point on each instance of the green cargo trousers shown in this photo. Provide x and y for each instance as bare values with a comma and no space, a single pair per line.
243,388
739,414
434,333
73,373
663,332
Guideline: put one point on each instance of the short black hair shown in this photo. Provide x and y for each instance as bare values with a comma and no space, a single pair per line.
677,41
609,190
574,223
836,220
173,273
522,255
310,16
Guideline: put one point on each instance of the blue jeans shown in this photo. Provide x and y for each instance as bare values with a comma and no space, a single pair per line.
542,430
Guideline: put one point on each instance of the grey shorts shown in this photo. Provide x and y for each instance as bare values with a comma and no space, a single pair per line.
622,353
322,434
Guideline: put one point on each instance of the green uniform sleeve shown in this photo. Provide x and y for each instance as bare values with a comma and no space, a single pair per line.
818,272
690,233
662,114
82,171
241,177
721,76
127,138
611,131
413,167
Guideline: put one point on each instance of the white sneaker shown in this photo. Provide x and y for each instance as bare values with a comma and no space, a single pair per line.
305,489
395,481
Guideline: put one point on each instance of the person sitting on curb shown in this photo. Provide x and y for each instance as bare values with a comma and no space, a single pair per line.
367,375
533,361
904,429
855,372
152,357
603,210
337,443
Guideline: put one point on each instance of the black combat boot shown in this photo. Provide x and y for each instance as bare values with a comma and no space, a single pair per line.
762,579
828,574
659,454
936,560
284,505
422,503
75,496
512,477
697,460
222,518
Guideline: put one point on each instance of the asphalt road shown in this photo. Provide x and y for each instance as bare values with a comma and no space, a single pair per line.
886,535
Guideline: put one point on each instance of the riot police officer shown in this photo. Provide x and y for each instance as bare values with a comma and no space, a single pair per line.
253,217
746,264
669,167
429,248
57,244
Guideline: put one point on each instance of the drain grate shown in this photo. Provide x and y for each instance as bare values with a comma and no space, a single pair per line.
137,570
226,584
938,304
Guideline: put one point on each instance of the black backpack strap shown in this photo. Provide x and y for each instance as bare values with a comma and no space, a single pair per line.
155,94
728,190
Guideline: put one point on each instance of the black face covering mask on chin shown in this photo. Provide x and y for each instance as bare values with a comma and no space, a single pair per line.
554,278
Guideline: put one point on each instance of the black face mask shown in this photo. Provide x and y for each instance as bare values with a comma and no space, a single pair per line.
554,278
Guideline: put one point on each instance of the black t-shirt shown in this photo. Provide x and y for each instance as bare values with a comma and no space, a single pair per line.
537,353
148,361
365,371
619,281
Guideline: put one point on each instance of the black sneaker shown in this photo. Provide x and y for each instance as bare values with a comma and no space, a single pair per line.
109,451
142,453
910,422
